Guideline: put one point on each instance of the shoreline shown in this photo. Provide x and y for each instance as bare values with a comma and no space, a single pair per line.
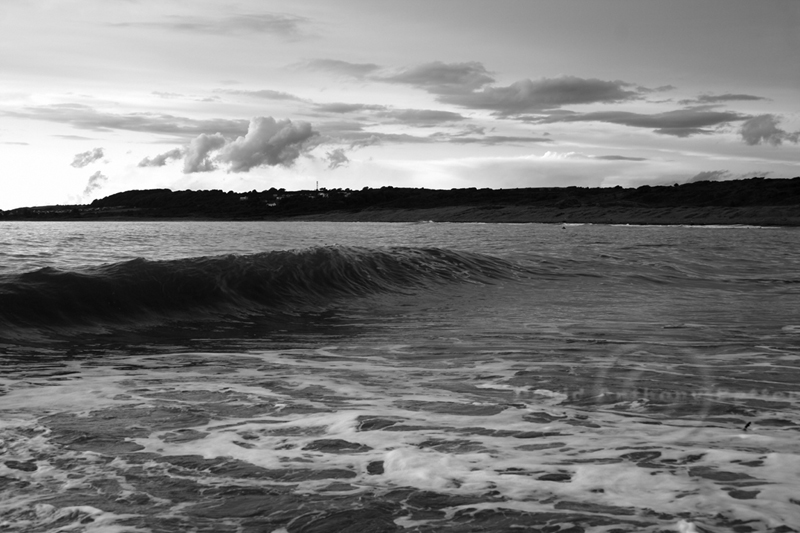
705,216
784,216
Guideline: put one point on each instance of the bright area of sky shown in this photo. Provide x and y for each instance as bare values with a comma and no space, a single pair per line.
102,96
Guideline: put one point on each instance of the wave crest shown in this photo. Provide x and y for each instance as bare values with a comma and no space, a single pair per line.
263,283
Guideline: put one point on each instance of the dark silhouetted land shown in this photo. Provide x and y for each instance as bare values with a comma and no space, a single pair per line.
755,201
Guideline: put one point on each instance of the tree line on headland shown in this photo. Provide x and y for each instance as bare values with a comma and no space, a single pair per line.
745,201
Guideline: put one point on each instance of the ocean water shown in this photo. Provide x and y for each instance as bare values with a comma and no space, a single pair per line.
317,377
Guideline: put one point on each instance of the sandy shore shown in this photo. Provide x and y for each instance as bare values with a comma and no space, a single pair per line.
756,216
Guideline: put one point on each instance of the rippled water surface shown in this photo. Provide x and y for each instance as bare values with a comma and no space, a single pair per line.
254,377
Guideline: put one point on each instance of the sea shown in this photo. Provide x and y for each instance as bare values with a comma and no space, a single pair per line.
309,377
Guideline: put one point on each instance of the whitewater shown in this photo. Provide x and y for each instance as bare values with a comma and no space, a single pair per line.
413,377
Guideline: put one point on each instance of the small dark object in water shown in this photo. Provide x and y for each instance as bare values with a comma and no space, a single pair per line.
747,426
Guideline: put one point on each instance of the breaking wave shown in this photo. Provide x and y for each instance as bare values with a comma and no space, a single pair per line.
142,290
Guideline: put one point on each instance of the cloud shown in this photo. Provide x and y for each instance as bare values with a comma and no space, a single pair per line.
529,96
468,85
87,158
492,139
339,107
356,70
198,153
553,169
161,159
421,117
709,175
363,139
763,129
167,95
715,99
268,142
96,181
725,175
266,94
74,137
471,129
282,24
410,117
680,123
338,126
87,118
336,158
661,89
444,78
683,132
619,158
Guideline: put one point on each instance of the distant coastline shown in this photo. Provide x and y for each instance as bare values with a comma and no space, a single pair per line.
746,216
755,201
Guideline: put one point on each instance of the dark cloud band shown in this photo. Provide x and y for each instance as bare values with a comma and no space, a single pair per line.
680,123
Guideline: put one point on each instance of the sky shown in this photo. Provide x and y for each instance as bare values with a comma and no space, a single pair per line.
103,96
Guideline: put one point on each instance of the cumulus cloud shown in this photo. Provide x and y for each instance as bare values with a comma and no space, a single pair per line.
161,159
96,181
268,142
530,96
680,123
763,129
336,158
87,158
198,157
281,24
443,78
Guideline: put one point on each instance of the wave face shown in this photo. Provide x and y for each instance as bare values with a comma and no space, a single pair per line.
142,290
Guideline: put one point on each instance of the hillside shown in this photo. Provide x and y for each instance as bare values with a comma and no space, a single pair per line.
750,201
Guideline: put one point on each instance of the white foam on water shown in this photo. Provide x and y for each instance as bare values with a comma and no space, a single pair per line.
426,469
450,429
45,517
